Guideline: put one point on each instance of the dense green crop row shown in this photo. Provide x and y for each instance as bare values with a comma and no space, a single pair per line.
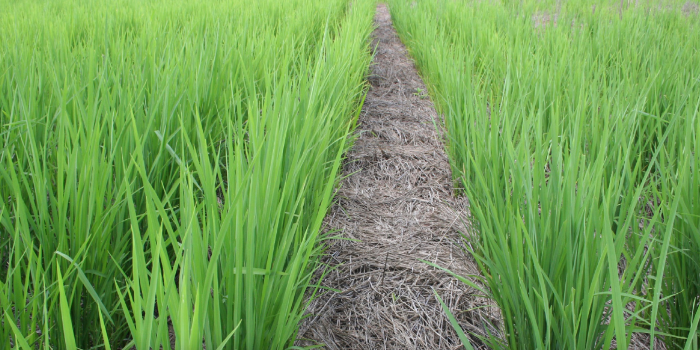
166,165
574,129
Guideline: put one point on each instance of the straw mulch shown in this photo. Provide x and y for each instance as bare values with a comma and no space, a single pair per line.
397,206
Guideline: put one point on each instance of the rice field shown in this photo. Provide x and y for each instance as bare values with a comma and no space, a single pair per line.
573,128
166,166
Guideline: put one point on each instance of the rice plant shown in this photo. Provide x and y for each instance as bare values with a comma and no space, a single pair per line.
571,129
165,167
679,193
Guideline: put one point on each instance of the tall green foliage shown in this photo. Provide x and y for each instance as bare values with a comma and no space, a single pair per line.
167,164
574,133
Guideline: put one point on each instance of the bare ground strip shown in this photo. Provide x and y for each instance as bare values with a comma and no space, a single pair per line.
397,205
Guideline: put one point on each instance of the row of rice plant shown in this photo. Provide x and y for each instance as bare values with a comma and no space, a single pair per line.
573,128
166,165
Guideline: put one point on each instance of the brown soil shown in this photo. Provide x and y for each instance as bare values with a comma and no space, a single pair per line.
397,204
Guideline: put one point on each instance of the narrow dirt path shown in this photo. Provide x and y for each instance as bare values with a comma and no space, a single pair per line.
397,202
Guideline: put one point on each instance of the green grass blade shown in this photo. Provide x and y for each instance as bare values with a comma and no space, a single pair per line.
453,321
